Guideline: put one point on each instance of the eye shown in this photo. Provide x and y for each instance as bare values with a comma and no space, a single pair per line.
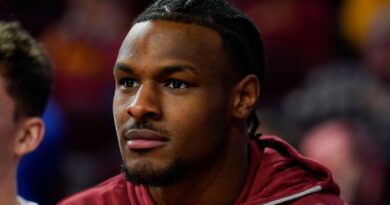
176,84
128,82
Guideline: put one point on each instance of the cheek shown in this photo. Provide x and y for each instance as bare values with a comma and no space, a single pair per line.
8,132
196,117
188,112
197,133
119,110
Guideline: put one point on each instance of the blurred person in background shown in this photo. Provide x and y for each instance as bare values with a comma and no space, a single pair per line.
188,78
25,85
341,114
348,151
43,168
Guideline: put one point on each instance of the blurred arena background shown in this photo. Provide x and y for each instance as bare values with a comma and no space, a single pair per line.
326,91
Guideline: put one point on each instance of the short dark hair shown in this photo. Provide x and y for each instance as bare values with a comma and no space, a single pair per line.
26,68
240,37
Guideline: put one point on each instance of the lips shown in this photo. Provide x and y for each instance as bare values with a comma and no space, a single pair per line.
143,139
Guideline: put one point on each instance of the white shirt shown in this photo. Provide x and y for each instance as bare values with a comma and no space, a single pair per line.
25,202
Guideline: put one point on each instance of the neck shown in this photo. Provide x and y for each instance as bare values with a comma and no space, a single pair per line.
8,186
220,183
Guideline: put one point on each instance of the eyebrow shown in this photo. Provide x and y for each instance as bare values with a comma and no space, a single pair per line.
164,71
123,67
178,68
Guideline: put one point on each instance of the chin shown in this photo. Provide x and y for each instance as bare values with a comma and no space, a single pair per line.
148,174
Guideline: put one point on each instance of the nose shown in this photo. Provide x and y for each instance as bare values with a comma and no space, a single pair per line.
144,105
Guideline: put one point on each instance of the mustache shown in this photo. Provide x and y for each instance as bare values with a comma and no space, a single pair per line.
147,126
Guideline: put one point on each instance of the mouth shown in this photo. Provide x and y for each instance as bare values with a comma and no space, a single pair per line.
144,139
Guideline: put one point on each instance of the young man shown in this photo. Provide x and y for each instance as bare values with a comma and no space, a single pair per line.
188,79
25,85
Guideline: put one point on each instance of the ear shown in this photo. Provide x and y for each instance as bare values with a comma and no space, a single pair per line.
30,135
246,95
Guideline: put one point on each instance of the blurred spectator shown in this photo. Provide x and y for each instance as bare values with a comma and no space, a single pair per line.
82,37
348,151
354,103
340,90
42,168
26,79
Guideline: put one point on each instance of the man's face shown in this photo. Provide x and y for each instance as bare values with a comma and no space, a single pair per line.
330,143
171,106
8,127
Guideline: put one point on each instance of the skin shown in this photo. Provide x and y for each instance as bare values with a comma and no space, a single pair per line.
339,147
18,137
8,129
170,76
332,137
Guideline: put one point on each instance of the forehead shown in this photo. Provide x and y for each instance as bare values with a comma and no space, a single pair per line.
161,39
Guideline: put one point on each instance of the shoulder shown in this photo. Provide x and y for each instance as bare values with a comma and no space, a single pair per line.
319,199
111,191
